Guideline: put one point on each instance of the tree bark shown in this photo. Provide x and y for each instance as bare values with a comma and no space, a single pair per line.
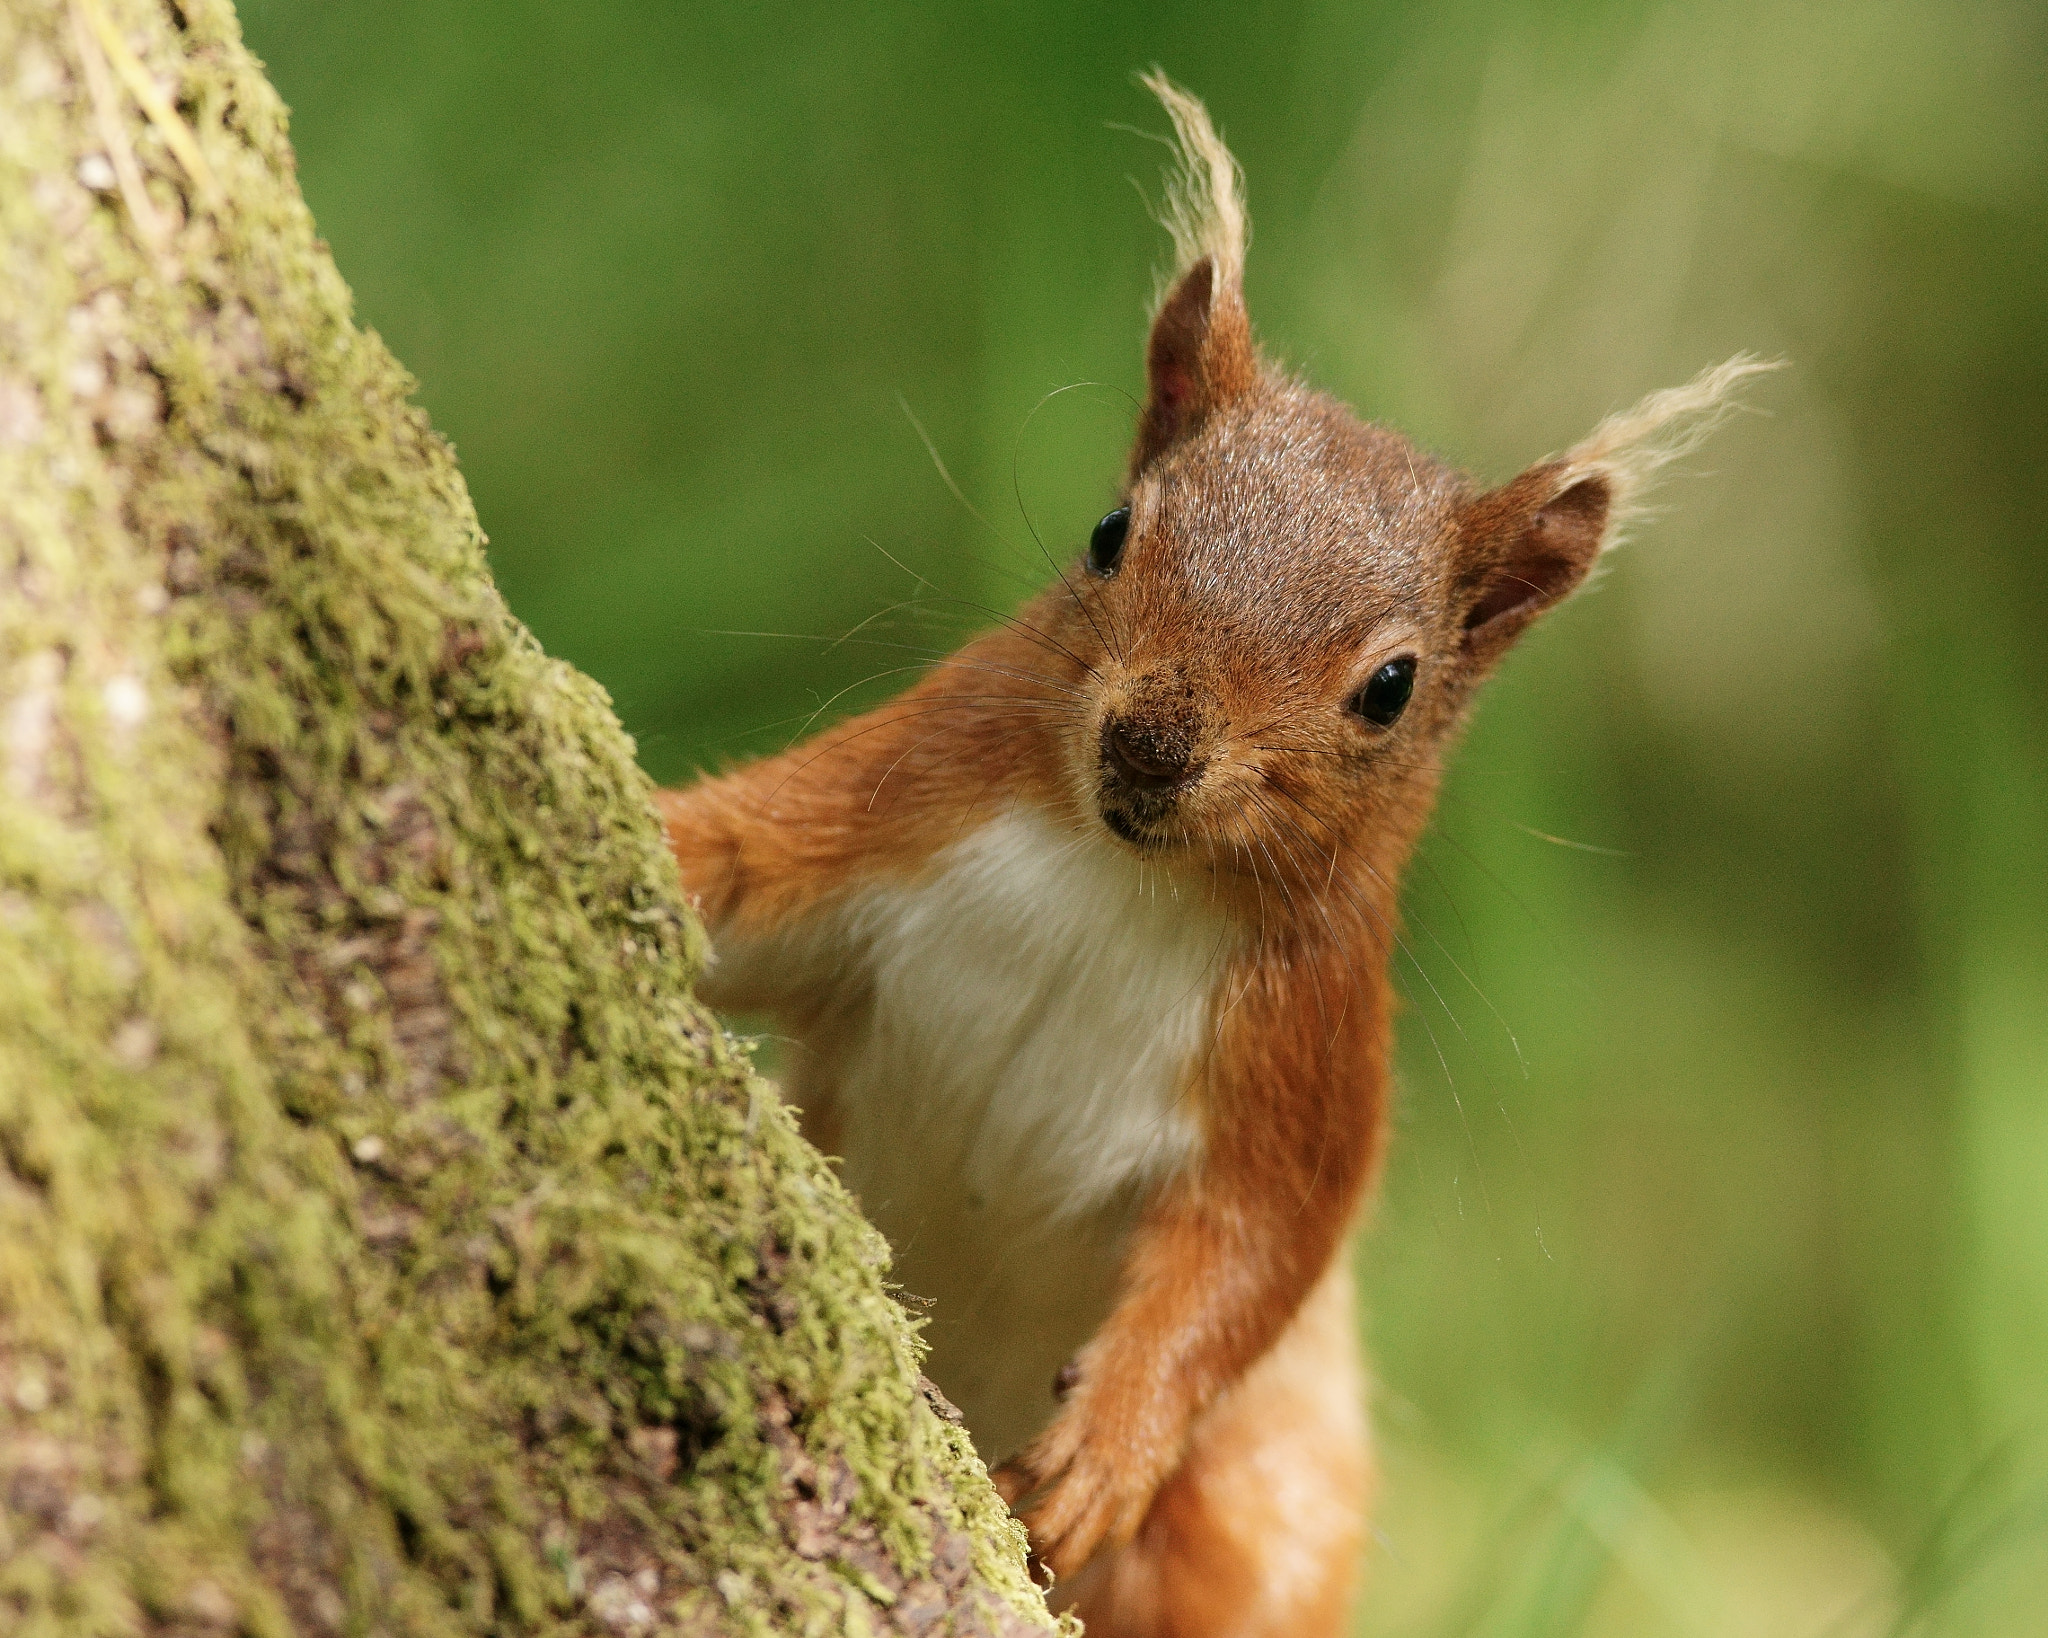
388,1241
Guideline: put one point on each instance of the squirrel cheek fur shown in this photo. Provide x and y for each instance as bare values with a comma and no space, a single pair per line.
1083,944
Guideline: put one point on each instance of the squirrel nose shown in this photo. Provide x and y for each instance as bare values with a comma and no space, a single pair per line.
1145,761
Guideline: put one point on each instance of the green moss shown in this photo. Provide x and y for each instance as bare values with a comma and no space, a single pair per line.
388,1242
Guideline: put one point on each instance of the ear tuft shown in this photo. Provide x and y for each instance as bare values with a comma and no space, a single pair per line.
1204,204
1529,543
1631,448
1200,355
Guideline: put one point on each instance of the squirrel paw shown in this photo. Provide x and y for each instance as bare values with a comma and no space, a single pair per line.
1077,1489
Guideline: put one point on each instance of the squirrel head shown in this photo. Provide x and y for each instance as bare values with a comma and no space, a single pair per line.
1282,623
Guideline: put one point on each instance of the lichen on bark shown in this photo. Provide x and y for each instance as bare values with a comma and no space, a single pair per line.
388,1241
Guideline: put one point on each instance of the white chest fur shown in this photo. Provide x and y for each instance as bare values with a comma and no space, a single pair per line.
1039,998
1014,1075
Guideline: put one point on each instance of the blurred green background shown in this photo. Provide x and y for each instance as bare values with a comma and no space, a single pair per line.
1709,1288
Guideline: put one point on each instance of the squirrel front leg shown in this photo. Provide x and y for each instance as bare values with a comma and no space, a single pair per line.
764,847
762,843
1220,1263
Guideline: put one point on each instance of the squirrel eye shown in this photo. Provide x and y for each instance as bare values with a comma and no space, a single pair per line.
1385,694
1106,545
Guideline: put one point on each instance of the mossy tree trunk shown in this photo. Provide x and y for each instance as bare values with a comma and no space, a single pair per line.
388,1242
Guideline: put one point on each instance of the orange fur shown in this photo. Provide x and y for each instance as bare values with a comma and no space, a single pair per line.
1187,710
1260,1530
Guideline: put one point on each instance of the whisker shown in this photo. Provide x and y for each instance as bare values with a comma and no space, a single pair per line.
1020,708
939,659
993,716
1351,891
960,495
962,700
1349,756
1360,901
1436,1046
1439,828
1364,903
1566,841
1014,622
1017,489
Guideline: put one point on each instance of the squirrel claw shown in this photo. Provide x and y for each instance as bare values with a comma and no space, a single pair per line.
1071,1503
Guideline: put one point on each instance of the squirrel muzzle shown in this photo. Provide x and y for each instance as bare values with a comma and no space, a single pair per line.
1152,753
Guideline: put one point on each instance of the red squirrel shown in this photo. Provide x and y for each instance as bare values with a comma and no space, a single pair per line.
1083,944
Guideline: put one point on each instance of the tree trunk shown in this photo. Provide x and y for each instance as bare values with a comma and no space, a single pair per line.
388,1241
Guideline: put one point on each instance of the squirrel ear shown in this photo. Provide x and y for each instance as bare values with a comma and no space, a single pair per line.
1199,358
1531,541
1525,546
